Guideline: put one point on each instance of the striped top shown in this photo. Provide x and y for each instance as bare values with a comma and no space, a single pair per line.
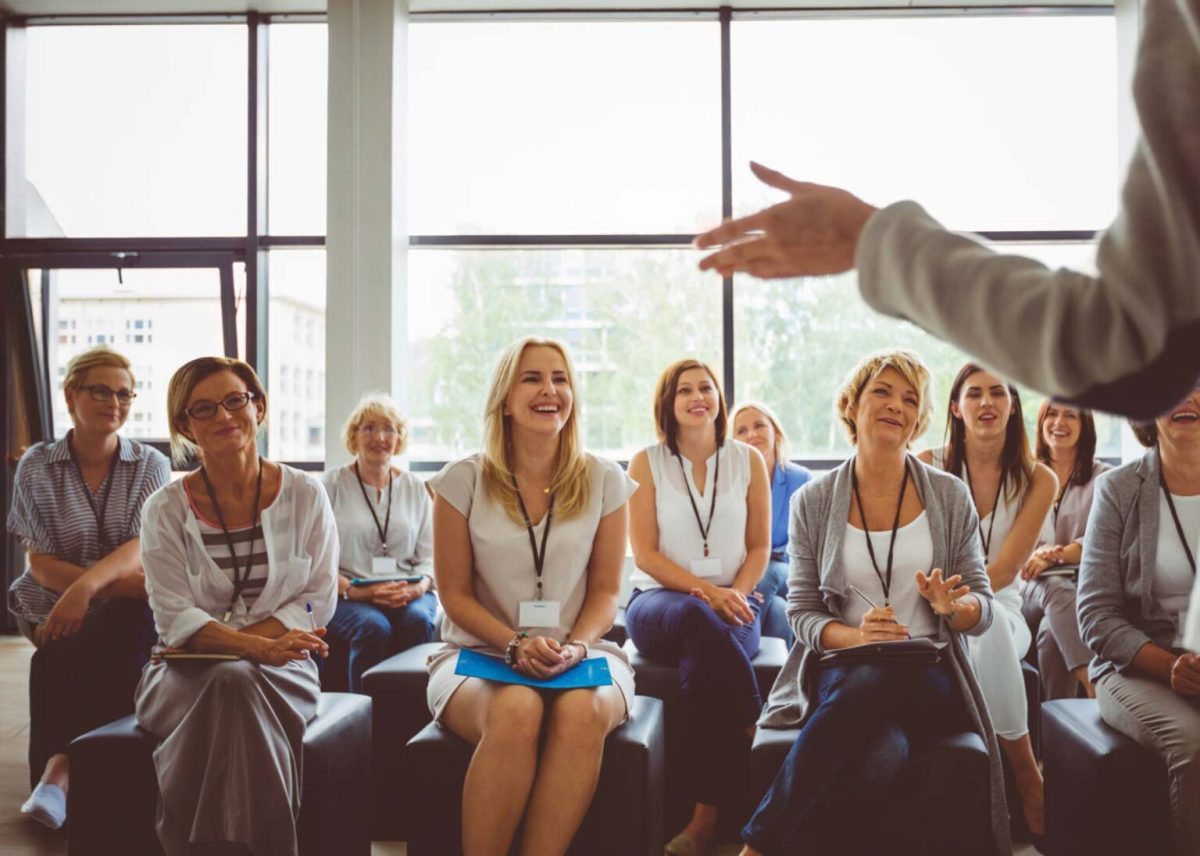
217,547
51,513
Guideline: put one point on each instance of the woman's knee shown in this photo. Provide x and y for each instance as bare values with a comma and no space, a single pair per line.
579,716
515,714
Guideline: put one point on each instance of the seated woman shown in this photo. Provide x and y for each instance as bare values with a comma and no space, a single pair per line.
385,529
988,447
1139,566
77,509
1066,442
529,542
756,424
882,548
241,558
700,532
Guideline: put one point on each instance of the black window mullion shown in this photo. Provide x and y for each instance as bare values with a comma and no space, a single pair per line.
256,194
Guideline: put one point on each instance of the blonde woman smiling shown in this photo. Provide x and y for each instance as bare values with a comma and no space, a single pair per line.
529,542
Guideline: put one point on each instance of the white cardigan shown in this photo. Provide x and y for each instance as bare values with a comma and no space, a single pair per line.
187,590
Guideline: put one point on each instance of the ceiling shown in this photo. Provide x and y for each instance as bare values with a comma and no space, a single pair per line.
113,7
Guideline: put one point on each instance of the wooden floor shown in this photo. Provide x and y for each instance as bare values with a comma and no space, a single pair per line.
20,836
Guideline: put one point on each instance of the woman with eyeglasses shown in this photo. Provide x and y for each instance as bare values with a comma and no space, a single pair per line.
76,508
241,562
385,529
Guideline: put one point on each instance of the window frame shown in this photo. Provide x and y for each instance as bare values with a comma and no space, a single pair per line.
251,249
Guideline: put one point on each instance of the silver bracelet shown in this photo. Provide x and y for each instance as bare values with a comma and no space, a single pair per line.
581,644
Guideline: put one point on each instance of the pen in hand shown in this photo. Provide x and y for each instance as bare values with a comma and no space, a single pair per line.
312,623
858,592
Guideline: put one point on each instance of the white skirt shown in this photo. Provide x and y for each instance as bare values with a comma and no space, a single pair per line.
997,656
443,682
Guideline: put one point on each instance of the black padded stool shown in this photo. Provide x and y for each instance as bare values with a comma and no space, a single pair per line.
397,690
114,791
952,772
1104,792
661,680
626,812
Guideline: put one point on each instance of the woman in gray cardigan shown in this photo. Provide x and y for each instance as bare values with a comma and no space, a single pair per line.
1134,581
861,539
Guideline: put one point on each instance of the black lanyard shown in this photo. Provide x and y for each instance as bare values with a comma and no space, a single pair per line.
886,583
1162,480
986,539
712,508
539,558
102,542
387,522
240,579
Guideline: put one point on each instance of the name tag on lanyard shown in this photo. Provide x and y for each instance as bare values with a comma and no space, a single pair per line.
710,566
382,566
539,613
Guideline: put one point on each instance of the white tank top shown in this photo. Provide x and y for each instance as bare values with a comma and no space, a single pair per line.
1003,515
913,552
679,537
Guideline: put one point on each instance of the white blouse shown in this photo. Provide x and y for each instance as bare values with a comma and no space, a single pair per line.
187,590
913,552
504,572
679,537
409,535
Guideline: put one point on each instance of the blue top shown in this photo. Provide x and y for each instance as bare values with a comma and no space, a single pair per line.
785,481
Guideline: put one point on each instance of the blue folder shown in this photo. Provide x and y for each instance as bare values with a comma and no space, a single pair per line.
591,672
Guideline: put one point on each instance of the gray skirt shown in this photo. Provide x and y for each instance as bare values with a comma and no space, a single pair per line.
228,765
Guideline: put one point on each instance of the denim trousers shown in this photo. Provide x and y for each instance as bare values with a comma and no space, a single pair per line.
832,792
362,635
773,588
717,683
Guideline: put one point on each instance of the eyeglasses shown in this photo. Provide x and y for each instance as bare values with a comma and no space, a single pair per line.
370,428
232,403
100,392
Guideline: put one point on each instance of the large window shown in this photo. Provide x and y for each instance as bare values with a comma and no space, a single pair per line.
136,136
559,169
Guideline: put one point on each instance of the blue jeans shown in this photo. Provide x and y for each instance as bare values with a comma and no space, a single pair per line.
773,588
718,687
839,777
361,635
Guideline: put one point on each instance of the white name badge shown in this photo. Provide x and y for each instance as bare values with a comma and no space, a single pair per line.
707,567
383,566
539,613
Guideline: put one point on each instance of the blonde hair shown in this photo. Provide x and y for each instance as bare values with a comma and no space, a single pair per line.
569,483
375,405
911,368
665,423
179,390
780,437
101,356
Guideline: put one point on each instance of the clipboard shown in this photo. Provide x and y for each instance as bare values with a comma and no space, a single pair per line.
919,650
590,672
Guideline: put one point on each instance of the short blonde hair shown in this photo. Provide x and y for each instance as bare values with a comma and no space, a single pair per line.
179,390
101,356
375,405
569,484
780,437
911,368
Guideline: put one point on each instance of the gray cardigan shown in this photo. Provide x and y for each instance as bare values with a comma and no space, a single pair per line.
1118,612
818,594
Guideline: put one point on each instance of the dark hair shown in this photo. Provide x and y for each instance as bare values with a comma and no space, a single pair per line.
1016,461
1146,433
664,403
1085,451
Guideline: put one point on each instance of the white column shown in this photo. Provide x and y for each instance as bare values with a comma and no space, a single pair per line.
367,235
